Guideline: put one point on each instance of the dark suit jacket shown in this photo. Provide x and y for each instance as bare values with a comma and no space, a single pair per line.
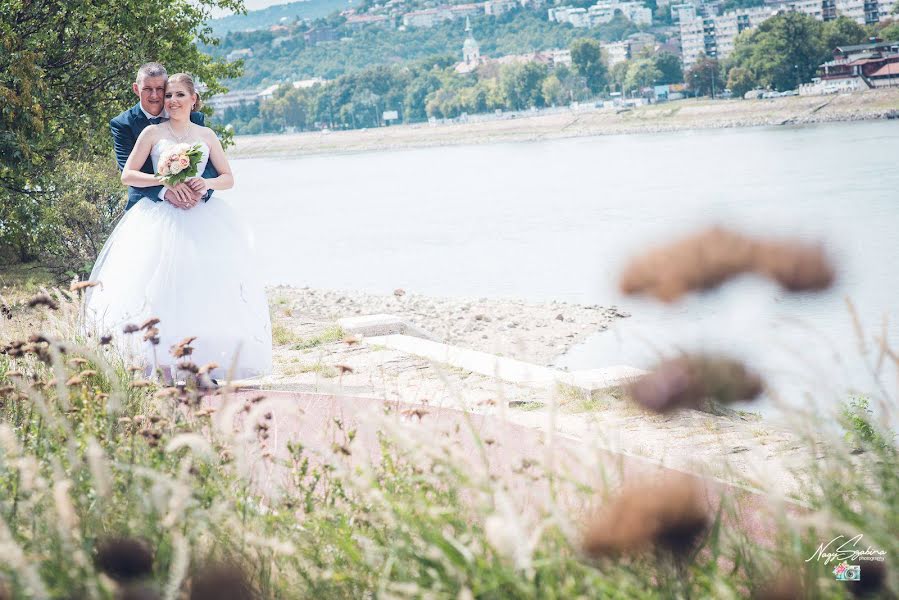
125,129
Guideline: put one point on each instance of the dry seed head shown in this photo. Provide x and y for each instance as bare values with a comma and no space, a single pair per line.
351,340
689,380
711,257
43,300
106,339
124,559
77,361
78,286
344,368
208,367
150,323
669,513
74,380
188,366
415,412
151,333
130,328
88,373
399,292
140,383
38,338
221,582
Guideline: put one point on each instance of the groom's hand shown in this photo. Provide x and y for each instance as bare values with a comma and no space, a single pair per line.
182,196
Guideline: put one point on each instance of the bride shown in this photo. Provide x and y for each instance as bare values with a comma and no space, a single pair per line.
189,268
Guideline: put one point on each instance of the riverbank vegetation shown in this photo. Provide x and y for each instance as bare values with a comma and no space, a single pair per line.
115,486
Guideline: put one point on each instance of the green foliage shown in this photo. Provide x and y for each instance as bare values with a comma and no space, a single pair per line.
587,60
860,431
83,201
704,77
287,58
785,50
740,81
738,4
65,70
407,513
642,73
670,68
522,85
842,31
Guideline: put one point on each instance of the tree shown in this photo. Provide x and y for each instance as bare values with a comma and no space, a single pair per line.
586,58
618,74
783,51
65,71
670,67
523,85
641,73
704,77
740,81
842,31
553,93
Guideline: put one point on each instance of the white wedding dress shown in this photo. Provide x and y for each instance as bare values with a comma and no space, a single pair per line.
193,270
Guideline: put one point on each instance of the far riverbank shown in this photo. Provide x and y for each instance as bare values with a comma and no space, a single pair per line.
656,118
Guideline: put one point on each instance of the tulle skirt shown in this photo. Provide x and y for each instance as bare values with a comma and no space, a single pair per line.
193,270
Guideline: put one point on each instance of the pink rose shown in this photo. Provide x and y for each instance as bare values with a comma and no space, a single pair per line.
184,162
164,169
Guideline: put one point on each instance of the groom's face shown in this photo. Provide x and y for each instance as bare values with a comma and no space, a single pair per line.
151,91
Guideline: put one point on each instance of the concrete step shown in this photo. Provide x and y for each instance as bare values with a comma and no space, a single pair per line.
509,369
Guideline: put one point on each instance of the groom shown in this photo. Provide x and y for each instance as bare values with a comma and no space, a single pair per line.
150,88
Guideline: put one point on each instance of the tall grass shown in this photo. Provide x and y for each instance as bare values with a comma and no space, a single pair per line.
98,468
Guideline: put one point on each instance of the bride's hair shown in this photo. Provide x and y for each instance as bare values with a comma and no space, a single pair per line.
187,81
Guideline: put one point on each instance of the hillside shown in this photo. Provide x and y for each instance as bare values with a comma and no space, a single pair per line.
285,56
261,19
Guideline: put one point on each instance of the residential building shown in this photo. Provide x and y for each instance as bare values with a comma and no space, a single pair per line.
640,41
601,12
267,94
715,35
616,52
357,22
231,100
316,36
499,7
428,17
238,54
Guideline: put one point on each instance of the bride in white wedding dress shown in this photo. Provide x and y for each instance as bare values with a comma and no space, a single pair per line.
190,268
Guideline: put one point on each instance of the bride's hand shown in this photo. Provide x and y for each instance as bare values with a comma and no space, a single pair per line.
198,185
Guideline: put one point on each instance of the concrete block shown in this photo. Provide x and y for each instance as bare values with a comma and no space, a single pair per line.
510,369
378,325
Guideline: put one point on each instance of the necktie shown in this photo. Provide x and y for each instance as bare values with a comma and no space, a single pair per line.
155,120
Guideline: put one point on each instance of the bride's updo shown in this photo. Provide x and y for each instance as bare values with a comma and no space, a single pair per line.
188,82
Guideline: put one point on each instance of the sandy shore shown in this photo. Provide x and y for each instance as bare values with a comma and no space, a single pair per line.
311,355
656,118
533,332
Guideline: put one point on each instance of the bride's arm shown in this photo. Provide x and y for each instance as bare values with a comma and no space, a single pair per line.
225,180
131,173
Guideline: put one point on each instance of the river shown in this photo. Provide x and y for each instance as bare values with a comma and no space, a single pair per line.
557,219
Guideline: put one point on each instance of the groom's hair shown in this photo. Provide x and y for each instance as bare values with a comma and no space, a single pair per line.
150,69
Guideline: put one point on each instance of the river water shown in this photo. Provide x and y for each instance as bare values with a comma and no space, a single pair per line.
557,219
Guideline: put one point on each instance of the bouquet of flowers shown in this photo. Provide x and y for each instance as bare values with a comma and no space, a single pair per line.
178,162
